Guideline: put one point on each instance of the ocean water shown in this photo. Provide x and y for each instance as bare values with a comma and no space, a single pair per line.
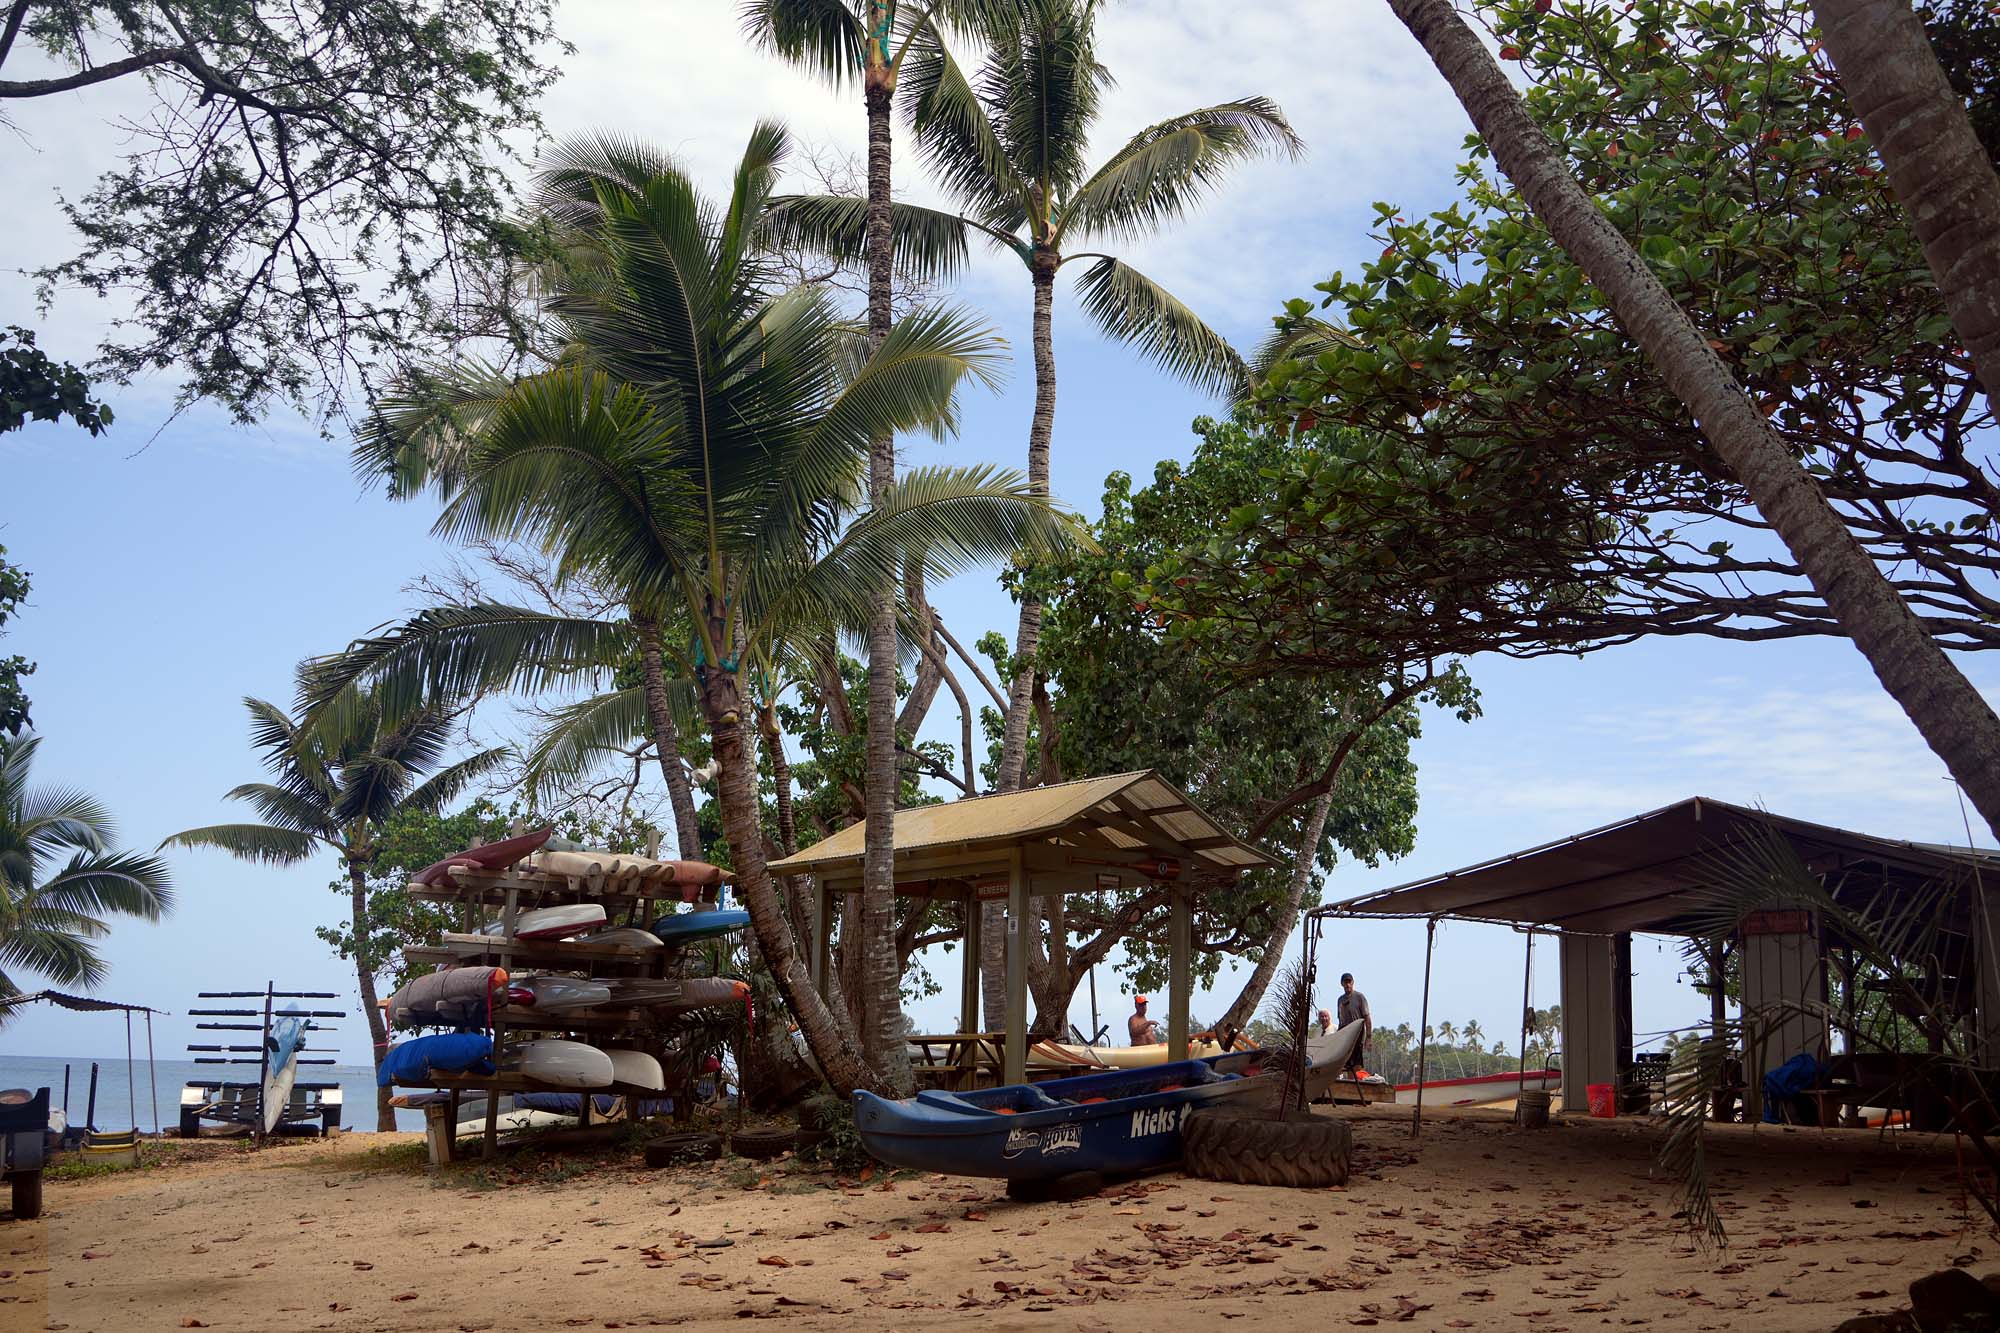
120,1108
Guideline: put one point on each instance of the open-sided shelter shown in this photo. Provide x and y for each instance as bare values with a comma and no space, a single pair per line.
1648,875
1120,831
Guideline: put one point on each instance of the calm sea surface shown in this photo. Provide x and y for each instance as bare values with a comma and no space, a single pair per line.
119,1107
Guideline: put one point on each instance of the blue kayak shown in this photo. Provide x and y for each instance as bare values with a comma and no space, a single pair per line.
683,927
1120,1123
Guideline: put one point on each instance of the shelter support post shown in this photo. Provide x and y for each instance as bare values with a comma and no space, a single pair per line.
1986,948
1588,965
1180,984
1015,1064
1527,1007
822,954
968,987
152,1078
1784,989
1424,1027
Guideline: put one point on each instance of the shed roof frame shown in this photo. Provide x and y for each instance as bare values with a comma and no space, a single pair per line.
1585,883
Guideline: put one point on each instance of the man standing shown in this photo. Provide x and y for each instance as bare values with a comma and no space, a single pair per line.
1142,1030
1352,1007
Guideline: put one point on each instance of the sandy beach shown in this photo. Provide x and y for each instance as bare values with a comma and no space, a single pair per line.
1477,1225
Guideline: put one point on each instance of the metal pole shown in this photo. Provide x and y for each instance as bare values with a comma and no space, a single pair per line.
1527,1010
1095,1026
1424,1028
131,1093
264,1061
152,1074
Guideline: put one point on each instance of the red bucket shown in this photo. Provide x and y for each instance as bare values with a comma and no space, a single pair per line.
1603,1100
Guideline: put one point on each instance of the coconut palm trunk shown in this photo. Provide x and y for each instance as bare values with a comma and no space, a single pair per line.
736,793
1941,174
882,975
1244,1007
1953,718
667,741
364,977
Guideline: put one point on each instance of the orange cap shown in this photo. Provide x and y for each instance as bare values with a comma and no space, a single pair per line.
1138,999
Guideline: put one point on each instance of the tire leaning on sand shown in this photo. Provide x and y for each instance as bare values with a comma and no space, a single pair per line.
1245,1146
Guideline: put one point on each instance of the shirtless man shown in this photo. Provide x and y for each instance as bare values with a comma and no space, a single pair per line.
1142,1030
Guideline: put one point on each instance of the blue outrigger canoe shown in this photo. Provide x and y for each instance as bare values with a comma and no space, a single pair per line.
1120,1123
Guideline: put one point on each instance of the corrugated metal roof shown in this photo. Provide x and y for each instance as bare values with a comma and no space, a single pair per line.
1639,874
1041,812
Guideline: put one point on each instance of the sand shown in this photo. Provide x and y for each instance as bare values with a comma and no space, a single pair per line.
1478,1225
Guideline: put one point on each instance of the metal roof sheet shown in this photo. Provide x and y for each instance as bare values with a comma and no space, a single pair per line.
1638,874
1044,812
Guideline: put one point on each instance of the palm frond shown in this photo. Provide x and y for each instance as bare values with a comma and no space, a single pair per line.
115,883
1132,308
1041,85
930,244
251,842
1166,169
444,786
1298,340
57,947
1696,1073
824,37
420,426
579,736
451,653
956,138
284,808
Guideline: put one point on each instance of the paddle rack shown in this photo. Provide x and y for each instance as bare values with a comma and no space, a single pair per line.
484,895
235,1101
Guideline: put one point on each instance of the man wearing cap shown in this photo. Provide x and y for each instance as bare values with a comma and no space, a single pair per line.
1142,1030
1352,1007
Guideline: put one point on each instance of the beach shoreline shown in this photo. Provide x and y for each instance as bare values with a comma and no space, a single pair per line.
1476,1224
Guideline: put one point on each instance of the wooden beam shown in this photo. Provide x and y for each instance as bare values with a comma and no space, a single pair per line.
968,989
1180,989
1014,1068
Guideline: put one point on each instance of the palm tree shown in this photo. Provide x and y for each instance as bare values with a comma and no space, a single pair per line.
60,877
1008,144
333,788
842,40
700,450
1935,160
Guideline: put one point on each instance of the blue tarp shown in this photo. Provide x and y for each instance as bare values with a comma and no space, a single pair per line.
1787,1081
447,1053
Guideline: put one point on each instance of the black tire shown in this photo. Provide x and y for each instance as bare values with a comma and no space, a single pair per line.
1063,1189
1250,1147
190,1125
27,1195
680,1149
763,1144
810,1139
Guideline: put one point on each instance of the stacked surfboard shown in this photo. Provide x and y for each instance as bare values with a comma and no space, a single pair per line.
577,978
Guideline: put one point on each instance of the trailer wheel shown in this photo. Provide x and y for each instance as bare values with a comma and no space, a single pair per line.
190,1124
682,1149
1244,1146
27,1195
1063,1189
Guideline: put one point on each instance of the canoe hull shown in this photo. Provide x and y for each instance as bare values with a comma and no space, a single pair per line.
1134,1128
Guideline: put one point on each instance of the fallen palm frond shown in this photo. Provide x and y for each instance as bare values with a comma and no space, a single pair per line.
1290,1009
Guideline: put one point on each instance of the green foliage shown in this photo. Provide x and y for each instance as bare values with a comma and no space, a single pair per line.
61,877
1128,695
314,189
13,697
407,842
1520,478
35,387
842,1149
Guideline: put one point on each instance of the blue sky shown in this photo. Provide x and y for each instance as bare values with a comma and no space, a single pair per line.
175,574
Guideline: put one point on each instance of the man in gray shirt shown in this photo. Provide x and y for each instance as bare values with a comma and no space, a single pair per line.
1352,1007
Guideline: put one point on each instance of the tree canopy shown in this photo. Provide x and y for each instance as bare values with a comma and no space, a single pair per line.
1522,479
314,188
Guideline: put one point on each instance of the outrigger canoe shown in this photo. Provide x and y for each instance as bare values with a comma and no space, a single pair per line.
1120,1123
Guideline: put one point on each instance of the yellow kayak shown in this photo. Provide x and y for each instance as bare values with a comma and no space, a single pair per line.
1138,1057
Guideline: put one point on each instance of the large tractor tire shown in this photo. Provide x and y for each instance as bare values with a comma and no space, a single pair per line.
1246,1146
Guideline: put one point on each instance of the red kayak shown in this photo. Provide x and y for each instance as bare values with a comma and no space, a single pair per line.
492,856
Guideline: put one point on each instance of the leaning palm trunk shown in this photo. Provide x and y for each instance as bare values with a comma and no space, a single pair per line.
1940,173
666,742
881,975
1261,976
364,975
1951,715
736,793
